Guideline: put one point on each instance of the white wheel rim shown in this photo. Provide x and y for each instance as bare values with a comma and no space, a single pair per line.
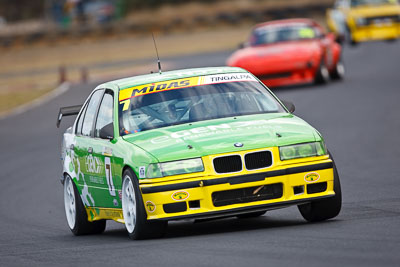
325,73
69,202
340,69
128,204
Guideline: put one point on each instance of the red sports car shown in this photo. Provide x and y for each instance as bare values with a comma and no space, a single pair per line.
288,52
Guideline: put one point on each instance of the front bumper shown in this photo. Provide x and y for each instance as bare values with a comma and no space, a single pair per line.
300,72
376,32
226,195
295,77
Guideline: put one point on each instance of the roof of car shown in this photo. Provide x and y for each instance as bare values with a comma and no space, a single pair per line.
286,21
171,75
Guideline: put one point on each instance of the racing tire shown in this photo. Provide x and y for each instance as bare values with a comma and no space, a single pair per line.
391,40
322,74
339,70
251,214
325,209
134,212
75,212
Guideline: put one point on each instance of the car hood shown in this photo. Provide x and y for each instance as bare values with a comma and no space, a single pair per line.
374,10
219,136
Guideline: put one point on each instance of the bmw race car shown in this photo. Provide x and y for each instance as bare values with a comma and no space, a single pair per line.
197,143
290,52
363,20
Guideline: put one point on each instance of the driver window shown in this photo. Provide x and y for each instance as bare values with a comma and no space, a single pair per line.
90,113
105,115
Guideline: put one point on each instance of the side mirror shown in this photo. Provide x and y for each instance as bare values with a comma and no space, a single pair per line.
289,105
243,45
107,132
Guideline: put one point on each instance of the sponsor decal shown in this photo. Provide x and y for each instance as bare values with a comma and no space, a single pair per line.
115,202
311,177
150,206
112,213
96,179
93,164
233,77
180,195
142,172
156,87
223,128
126,95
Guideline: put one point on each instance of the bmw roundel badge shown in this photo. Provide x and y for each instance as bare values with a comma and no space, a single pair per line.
238,144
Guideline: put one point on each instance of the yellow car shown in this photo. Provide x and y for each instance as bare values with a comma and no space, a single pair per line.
363,20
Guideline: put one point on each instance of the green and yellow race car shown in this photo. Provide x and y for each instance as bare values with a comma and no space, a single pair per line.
363,20
197,143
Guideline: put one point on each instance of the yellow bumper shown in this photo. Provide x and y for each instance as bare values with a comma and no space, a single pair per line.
222,195
375,32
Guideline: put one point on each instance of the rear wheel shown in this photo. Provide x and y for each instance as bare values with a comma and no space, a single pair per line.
76,214
134,213
325,209
251,214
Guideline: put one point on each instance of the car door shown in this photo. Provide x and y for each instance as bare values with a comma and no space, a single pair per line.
88,166
103,151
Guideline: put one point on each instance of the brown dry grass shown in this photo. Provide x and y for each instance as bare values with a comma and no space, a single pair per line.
11,100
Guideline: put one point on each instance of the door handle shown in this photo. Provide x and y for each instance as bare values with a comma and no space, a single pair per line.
90,150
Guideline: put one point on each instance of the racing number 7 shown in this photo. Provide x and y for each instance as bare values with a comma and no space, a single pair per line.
111,188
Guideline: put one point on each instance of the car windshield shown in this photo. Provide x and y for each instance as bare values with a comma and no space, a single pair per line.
193,99
275,34
371,2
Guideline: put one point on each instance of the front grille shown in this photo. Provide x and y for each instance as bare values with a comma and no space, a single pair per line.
316,188
249,194
228,164
274,76
258,160
382,19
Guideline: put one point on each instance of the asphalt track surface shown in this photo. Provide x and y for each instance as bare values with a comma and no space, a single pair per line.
360,120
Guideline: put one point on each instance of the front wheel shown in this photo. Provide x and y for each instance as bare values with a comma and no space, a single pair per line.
325,209
76,214
322,74
134,213
339,70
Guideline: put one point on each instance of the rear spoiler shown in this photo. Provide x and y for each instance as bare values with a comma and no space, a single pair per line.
67,111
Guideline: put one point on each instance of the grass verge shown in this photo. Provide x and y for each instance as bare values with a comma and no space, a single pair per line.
10,100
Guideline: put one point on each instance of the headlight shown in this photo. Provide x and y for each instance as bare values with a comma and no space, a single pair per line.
302,150
361,21
157,170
